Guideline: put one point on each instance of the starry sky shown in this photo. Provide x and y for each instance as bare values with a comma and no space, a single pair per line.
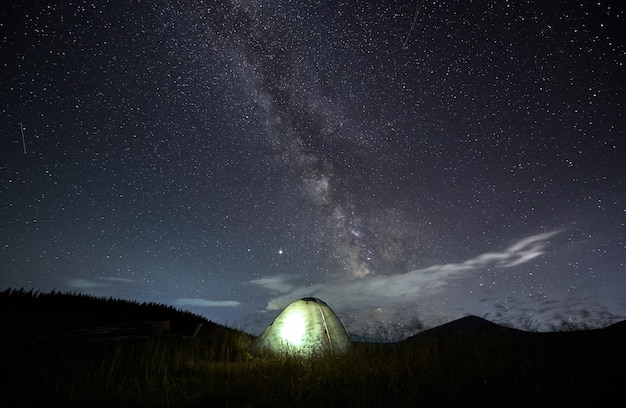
407,162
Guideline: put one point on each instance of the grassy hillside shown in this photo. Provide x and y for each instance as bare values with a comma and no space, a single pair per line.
469,362
29,314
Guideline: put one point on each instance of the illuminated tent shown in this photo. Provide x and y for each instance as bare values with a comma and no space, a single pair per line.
307,327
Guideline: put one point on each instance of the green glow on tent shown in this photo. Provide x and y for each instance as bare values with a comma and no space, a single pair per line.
307,327
293,330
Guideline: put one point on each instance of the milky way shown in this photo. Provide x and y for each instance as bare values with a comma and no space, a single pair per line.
408,163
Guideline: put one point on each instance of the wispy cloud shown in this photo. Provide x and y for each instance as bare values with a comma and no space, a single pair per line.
116,279
275,284
99,282
397,290
84,284
541,313
205,302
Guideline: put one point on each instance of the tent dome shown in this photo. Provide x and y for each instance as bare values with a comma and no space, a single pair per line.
307,327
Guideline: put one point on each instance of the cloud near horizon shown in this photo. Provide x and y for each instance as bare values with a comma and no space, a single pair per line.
84,284
80,283
395,290
116,279
205,302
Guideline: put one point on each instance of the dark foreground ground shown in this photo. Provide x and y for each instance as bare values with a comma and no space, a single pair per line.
62,356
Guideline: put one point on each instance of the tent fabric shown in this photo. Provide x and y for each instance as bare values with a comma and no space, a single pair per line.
307,327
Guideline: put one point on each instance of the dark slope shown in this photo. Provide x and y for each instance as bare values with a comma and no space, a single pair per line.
473,329
28,315
582,347
516,368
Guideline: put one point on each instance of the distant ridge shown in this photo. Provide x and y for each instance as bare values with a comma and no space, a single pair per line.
617,327
472,326
466,326
470,322
488,341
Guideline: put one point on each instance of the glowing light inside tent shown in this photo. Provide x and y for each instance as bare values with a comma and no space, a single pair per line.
293,329
307,328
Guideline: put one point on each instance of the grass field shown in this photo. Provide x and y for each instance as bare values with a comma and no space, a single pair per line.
466,363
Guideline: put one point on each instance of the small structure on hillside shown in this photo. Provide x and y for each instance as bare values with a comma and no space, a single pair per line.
307,328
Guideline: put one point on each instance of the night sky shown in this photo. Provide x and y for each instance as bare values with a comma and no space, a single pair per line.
407,162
